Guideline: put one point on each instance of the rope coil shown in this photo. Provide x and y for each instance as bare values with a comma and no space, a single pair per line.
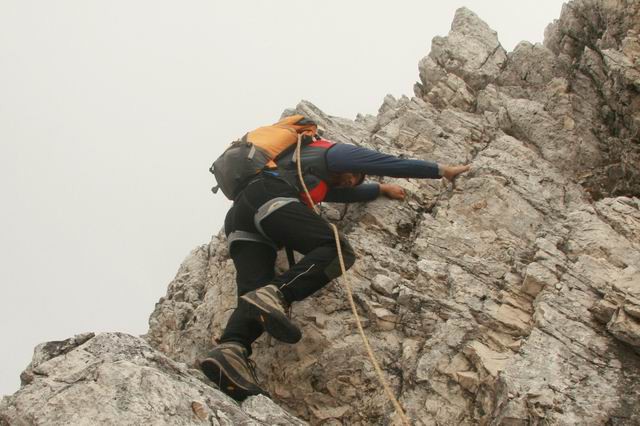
347,286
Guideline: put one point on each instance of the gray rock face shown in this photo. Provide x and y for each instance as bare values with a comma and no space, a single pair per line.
117,379
510,297
465,61
597,45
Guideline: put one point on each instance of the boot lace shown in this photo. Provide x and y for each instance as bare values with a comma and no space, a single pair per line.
252,369
288,310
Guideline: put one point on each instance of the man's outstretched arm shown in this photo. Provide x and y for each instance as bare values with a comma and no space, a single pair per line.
354,159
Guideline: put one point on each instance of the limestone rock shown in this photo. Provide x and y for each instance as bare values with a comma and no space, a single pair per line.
510,297
625,328
114,378
537,277
468,380
584,40
263,409
467,59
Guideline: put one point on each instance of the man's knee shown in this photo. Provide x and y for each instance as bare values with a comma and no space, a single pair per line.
334,270
348,254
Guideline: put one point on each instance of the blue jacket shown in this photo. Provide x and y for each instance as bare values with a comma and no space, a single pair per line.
347,158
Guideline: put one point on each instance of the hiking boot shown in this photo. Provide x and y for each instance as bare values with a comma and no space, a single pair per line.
268,306
228,367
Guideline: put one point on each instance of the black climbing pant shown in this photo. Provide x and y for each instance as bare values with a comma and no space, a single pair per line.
291,225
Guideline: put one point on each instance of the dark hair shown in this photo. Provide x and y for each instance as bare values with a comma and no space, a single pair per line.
334,178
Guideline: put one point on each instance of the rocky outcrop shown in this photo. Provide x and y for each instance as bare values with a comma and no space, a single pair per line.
576,98
510,297
597,44
117,379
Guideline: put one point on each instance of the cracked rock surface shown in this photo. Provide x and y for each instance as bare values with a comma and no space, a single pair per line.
511,297
118,379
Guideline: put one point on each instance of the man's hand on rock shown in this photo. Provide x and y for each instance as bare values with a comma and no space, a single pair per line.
395,192
451,172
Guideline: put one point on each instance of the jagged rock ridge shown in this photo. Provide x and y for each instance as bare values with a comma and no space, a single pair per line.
117,379
511,298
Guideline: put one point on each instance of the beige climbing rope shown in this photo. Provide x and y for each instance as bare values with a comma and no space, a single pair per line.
347,286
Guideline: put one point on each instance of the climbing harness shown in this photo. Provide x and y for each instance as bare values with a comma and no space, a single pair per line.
347,286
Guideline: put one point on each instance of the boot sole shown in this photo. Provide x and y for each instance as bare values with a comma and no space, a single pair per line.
275,323
217,371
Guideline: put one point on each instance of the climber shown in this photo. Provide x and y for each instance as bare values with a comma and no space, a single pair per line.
272,212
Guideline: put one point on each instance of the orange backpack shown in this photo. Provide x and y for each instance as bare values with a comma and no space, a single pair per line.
258,150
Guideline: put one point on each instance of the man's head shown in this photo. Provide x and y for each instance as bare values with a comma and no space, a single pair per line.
346,180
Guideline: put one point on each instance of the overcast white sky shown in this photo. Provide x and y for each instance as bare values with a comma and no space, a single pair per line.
112,111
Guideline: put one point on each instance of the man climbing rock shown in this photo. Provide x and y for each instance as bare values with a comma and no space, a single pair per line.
272,211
